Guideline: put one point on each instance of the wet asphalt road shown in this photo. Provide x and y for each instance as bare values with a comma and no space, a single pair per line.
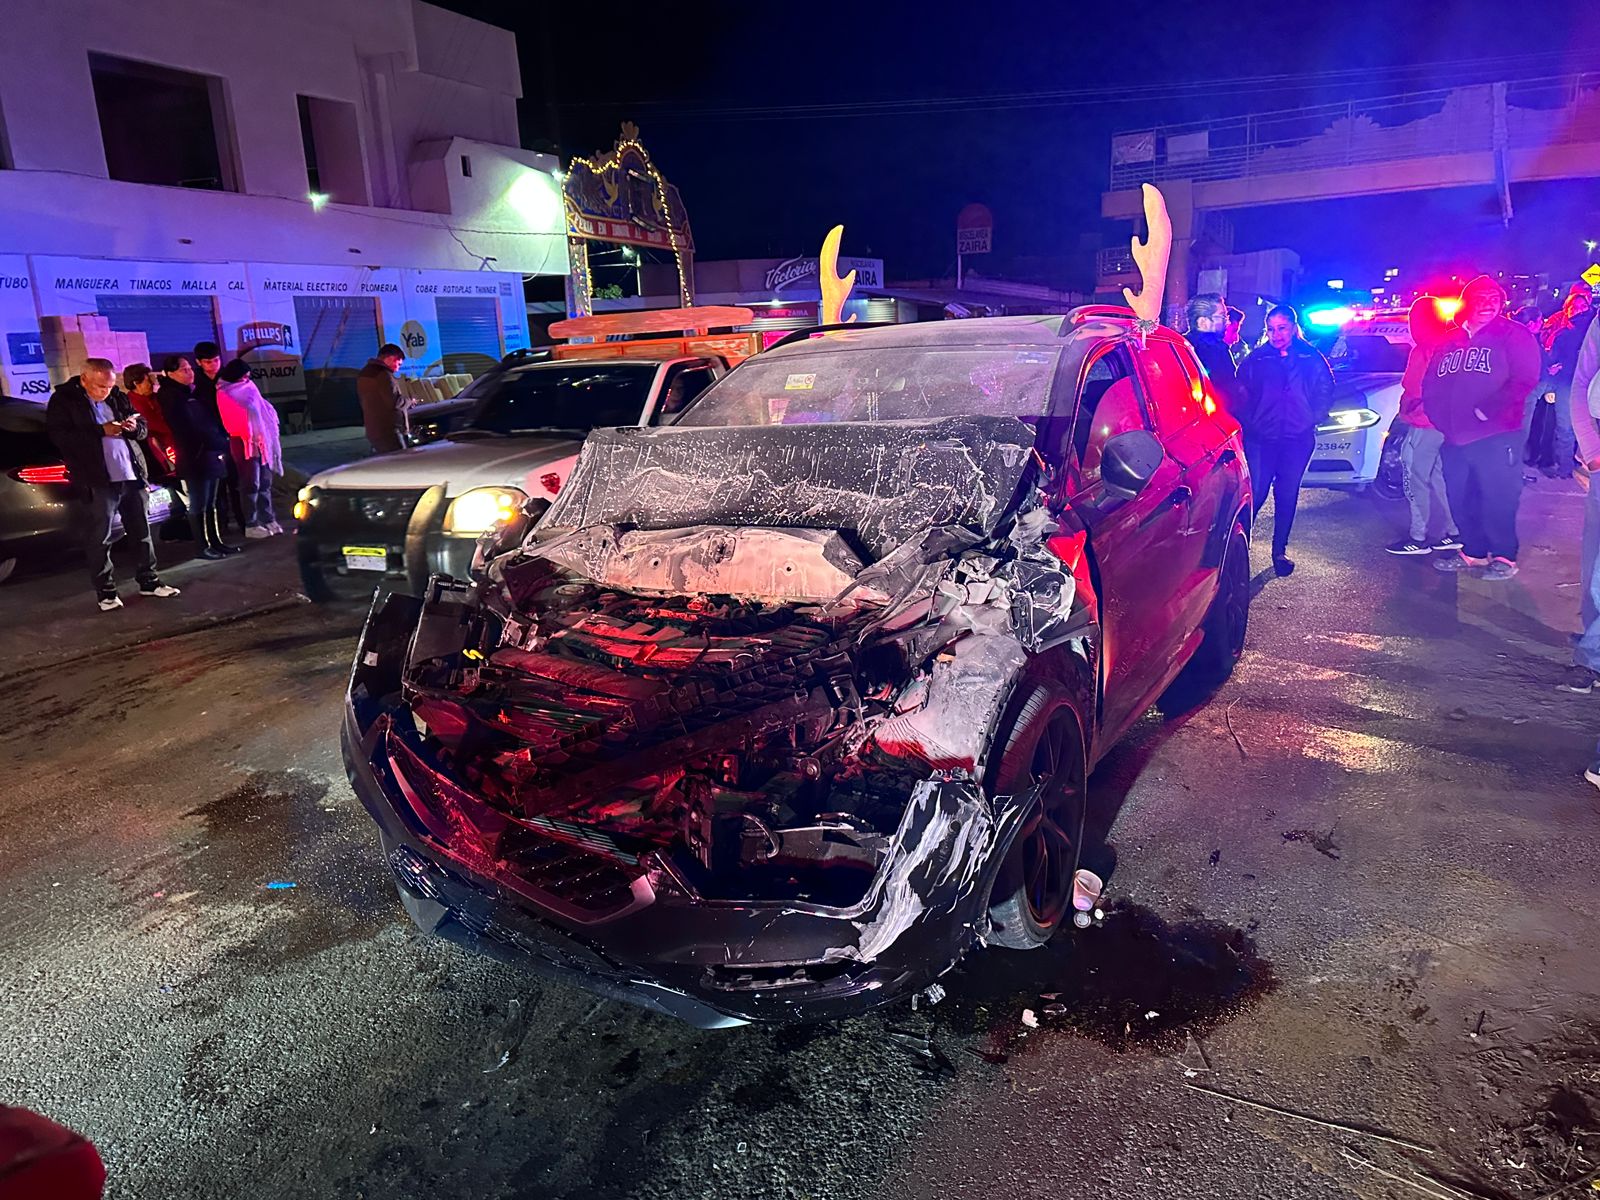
1359,884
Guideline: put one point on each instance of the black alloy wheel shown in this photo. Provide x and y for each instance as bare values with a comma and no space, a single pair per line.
1033,895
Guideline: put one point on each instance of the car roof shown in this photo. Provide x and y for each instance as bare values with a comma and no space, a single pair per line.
616,360
975,332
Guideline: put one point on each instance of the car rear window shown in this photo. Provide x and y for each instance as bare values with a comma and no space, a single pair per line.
23,441
892,383
576,398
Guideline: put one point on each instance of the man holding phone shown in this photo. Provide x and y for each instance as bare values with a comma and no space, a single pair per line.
96,431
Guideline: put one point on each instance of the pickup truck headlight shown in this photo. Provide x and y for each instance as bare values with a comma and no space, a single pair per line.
303,502
1346,419
482,508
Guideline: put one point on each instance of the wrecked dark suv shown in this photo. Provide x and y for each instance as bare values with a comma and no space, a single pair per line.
779,711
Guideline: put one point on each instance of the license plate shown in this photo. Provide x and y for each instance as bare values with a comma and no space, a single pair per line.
1332,447
366,558
159,505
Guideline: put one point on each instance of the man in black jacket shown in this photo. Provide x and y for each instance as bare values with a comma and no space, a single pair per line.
201,443
1287,387
1208,322
97,434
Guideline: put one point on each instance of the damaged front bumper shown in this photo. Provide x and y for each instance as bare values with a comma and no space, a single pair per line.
634,930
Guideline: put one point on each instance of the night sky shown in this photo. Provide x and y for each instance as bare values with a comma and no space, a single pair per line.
760,183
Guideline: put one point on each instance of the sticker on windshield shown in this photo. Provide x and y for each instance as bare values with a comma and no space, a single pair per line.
1041,357
777,409
799,383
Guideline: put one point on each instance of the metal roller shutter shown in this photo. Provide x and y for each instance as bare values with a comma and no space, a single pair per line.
338,335
171,324
469,333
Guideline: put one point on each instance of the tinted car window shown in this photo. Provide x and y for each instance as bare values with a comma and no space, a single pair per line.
1369,352
23,441
889,383
682,386
576,398
1108,404
1173,387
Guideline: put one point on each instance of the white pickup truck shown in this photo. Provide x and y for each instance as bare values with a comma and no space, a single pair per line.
418,512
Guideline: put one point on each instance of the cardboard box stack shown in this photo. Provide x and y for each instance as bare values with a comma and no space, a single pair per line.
68,341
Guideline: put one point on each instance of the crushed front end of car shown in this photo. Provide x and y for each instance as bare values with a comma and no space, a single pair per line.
727,763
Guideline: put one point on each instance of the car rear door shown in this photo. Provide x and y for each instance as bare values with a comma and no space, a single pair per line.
1195,445
1132,541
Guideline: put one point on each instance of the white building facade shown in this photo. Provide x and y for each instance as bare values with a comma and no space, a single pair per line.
303,179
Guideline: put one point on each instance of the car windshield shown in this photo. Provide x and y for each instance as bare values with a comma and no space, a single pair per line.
891,383
1369,352
579,397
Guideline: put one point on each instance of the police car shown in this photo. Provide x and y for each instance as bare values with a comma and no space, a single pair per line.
1354,448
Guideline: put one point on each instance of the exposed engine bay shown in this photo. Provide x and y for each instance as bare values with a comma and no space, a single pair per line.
752,701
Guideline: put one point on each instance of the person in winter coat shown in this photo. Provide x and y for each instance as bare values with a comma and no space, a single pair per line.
1287,387
1208,323
1563,335
1584,400
97,434
207,363
252,425
202,446
1425,491
139,382
383,408
1476,394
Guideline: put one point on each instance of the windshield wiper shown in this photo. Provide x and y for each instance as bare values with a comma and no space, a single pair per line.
554,431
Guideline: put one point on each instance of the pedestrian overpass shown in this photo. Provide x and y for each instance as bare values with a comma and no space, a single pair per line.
1494,134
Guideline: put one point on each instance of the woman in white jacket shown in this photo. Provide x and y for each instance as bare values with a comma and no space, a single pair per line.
252,425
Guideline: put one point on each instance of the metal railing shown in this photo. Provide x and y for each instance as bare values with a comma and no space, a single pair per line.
1522,114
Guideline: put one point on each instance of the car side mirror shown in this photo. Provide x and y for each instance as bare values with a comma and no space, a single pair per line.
1128,462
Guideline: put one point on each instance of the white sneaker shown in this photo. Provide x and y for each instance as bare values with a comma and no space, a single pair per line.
258,531
162,590
1593,774
110,603
275,528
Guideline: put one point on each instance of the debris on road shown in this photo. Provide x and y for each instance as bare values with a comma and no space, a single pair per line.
1029,1019
1342,1126
278,885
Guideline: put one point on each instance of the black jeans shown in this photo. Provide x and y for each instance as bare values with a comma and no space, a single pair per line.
1277,465
202,511
102,507
1484,482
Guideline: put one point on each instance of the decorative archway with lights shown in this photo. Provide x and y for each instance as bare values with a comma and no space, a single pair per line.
620,197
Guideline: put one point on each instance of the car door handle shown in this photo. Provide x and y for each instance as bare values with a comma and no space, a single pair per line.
1226,457
1181,495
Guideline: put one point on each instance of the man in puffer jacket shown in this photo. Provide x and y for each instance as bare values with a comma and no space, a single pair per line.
1287,387
1476,393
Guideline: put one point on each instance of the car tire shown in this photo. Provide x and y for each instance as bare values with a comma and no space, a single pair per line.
1222,631
1032,896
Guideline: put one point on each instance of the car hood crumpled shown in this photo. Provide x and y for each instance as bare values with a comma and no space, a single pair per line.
884,483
